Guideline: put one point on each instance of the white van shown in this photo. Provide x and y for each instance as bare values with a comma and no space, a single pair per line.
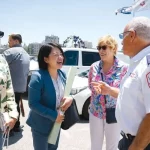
80,57
83,58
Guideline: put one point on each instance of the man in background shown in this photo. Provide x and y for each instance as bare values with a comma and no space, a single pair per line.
18,60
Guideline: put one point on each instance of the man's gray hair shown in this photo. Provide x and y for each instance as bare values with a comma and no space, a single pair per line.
142,27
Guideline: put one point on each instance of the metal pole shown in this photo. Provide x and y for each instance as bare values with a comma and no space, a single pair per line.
133,14
133,11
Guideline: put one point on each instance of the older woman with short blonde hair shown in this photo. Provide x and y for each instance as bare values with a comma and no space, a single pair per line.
109,71
110,42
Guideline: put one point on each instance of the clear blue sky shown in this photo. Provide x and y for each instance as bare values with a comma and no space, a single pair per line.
89,19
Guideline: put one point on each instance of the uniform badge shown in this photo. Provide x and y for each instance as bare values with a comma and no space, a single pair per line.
133,75
148,79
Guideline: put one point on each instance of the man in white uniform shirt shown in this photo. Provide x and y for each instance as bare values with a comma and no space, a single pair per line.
133,103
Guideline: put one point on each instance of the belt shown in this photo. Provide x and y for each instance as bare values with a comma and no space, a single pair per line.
127,136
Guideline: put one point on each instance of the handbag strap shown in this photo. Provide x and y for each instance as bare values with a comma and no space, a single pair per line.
6,138
103,81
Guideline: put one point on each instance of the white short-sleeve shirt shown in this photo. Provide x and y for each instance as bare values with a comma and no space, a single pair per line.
133,102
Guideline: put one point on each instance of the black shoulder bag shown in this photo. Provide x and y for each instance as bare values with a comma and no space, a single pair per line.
110,112
71,116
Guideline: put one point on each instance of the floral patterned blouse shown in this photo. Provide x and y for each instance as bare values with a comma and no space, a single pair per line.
7,98
112,78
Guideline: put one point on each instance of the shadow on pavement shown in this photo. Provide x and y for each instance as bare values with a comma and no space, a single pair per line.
17,136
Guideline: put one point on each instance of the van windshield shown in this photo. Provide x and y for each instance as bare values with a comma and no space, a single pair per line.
71,58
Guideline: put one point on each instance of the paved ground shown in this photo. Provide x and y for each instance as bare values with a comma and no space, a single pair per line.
76,138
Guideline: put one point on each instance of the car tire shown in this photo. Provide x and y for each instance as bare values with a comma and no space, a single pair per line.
85,110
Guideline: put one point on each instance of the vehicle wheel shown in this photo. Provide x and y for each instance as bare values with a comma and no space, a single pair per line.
85,110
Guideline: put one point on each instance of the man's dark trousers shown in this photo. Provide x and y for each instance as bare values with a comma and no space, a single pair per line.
18,97
125,143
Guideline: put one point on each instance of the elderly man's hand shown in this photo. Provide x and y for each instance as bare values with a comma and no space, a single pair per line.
10,123
101,87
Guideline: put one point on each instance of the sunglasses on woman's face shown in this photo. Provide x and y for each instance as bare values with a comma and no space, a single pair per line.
104,47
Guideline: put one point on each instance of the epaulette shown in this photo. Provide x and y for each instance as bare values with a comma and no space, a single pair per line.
148,59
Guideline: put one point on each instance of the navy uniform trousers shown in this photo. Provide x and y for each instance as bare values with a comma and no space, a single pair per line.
125,143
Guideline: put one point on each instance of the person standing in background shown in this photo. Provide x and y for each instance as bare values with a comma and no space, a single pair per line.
18,60
7,98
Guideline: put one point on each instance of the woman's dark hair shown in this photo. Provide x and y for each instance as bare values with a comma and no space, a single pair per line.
44,51
16,37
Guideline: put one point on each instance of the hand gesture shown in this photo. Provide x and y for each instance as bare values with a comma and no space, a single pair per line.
10,124
67,101
101,87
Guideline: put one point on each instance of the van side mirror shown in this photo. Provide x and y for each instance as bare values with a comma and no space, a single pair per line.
1,34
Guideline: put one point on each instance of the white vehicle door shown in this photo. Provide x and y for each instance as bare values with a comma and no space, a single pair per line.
123,57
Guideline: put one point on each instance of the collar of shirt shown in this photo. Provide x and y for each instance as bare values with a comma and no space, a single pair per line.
17,45
141,54
115,65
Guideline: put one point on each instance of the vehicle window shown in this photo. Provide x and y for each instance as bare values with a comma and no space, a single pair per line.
88,58
71,58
